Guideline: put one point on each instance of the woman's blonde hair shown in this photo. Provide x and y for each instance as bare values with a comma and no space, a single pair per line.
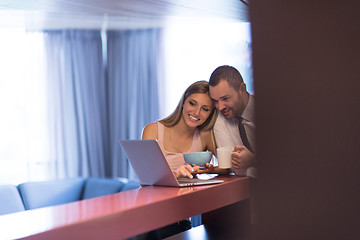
196,87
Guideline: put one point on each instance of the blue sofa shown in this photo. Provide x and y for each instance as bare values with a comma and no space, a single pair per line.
32,195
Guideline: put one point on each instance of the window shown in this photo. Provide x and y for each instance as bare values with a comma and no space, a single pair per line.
22,102
194,50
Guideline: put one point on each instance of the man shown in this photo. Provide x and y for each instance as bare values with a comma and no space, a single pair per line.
235,125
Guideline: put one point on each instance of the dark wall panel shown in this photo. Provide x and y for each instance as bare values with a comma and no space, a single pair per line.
307,81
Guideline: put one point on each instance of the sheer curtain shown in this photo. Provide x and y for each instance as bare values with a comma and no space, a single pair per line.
76,90
134,57
95,101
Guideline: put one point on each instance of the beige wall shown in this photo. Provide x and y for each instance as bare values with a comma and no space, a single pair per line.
307,83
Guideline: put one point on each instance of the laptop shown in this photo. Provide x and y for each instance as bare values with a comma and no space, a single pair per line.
151,167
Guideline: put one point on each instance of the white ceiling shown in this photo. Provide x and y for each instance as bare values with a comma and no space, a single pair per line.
115,14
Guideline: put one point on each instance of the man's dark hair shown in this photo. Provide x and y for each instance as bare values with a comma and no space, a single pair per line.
228,73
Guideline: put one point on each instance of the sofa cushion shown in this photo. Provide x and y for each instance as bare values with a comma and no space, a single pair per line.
129,184
10,200
95,187
50,193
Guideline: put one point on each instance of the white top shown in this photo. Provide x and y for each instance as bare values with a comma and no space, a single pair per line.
227,133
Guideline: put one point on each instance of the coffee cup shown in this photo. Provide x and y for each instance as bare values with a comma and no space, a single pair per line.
224,157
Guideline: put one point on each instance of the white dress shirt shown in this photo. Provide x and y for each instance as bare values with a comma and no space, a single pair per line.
227,133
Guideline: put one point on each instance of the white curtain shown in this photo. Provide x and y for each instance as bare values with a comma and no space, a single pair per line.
94,101
76,90
134,69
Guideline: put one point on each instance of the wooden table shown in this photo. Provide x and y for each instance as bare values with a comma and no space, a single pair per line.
125,214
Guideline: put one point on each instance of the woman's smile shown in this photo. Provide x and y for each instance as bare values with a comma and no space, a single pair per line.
193,118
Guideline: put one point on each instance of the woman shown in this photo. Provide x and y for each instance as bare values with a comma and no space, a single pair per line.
187,129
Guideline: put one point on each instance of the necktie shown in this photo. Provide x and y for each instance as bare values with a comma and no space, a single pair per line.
243,135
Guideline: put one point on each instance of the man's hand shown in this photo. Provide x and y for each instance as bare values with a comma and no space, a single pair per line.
242,158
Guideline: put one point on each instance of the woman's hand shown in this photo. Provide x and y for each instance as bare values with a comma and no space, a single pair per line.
186,171
209,169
